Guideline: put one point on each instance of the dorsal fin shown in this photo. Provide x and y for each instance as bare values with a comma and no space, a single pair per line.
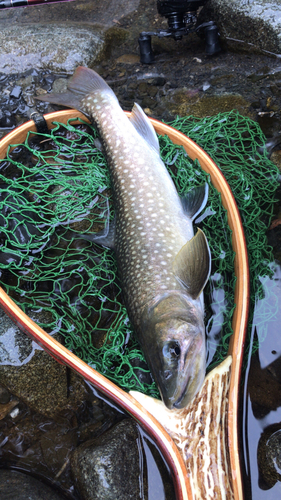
143,126
195,200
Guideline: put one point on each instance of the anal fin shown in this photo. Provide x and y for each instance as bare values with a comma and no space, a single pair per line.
192,265
104,238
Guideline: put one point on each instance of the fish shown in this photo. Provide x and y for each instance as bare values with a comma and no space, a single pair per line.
162,265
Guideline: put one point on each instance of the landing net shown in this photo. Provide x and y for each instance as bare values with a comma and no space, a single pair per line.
56,185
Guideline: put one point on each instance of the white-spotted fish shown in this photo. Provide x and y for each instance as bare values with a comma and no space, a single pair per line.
162,265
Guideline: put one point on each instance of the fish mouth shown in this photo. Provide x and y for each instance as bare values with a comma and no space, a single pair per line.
178,402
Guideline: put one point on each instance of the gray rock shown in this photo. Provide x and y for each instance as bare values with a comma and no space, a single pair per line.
269,455
59,37
22,487
255,23
107,468
92,12
52,46
15,347
121,464
31,374
60,85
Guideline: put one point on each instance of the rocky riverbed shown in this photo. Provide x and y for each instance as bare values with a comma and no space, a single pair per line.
52,424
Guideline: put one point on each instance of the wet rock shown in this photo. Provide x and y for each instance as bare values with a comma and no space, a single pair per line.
247,24
83,11
185,102
60,37
128,59
157,80
59,85
108,467
6,409
4,395
15,347
50,46
152,91
6,120
33,375
269,457
122,463
264,386
21,486
276,158
16,92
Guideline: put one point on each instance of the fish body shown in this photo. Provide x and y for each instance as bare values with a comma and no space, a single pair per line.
162,265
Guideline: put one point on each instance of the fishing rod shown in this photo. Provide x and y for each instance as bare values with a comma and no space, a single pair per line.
7,4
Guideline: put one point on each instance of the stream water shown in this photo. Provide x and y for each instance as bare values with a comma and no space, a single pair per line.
261,405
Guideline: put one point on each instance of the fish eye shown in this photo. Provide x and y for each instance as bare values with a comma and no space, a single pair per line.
172,350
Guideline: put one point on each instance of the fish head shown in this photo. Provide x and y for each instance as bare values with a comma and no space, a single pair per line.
182,360
177,351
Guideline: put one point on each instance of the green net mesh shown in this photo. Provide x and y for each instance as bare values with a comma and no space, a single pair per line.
56,185
238,146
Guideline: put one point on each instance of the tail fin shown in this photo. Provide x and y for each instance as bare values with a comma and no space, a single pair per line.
85,81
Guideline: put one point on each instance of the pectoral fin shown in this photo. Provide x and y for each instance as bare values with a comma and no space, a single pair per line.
192,265
195,200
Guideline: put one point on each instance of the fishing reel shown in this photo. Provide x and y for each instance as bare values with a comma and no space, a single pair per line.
182,20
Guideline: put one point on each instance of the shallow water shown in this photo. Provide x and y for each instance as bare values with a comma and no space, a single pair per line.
261,405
